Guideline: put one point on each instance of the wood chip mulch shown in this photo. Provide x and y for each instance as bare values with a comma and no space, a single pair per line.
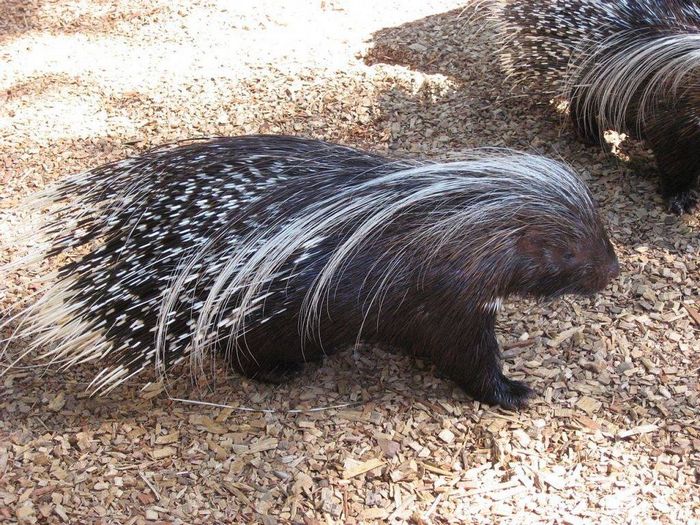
367,436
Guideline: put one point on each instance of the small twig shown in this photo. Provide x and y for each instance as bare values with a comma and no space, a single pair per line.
518,344
345,503
150,485
136,465
42,423
694,314
432,508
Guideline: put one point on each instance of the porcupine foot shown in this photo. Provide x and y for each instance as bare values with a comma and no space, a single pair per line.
678,158
681,203
507,393
476,366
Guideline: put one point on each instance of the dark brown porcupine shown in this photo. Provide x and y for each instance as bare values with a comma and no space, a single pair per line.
274,250
628,65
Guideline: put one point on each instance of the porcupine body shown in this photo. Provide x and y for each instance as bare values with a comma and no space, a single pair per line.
273,250
628,65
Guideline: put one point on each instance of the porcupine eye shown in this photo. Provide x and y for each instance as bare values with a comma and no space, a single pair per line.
543,270
563,258
570,259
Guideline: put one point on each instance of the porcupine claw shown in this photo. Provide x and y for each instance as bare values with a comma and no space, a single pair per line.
681,203
509,393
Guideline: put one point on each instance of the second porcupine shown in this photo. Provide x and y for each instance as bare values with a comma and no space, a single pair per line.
276,249
628,65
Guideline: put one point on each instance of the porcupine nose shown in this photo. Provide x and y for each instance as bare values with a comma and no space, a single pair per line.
614,269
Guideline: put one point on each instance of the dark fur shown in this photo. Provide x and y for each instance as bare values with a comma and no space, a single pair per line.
436,304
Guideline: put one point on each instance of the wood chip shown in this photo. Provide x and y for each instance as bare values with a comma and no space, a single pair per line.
164,452
589,405
695,314
565,336
153,390
372,514
642,429
436,470
262,446
552,480
58,402
167,439
588,423
522,438
354,468
389,447
446,435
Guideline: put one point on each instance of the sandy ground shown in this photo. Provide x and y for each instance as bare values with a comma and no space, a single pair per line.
613,435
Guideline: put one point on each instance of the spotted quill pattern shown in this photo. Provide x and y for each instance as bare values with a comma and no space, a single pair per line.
274,250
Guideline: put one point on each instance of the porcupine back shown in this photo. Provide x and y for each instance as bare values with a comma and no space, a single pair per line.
261,240
628,65
547,42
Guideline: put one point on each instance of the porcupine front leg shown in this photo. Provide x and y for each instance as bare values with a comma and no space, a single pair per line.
676,146
475,364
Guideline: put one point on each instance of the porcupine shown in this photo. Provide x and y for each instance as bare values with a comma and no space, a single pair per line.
274,250
628,65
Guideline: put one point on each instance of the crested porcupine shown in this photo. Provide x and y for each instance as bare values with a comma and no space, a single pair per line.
274,250
628,65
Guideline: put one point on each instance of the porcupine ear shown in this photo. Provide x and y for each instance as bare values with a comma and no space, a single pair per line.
532,242
535,244
538,245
